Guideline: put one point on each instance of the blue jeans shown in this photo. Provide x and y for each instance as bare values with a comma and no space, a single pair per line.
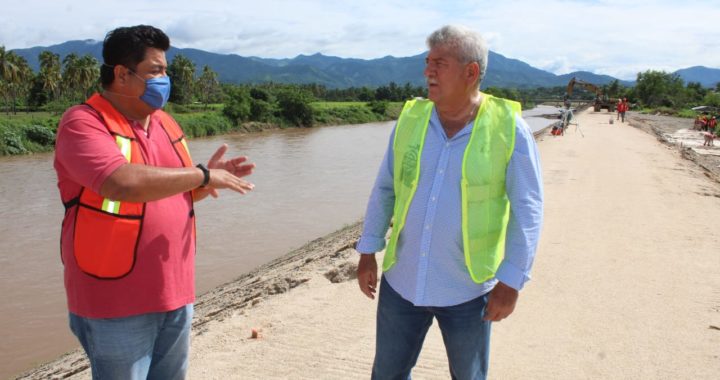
401,330
146,346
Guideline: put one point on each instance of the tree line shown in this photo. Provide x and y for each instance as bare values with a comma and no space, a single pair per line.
73,79
61,83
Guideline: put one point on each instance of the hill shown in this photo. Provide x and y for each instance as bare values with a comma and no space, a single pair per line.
337,72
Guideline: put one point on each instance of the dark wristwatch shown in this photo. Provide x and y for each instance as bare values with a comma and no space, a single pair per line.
206,174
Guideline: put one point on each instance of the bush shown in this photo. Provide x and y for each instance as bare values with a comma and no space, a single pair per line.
11,143
259,94
295,107
261,110
379,107
40,135
237,107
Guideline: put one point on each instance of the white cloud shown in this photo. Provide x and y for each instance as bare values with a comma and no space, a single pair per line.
611,37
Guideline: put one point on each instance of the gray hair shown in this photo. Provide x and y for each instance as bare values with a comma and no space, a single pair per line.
469,45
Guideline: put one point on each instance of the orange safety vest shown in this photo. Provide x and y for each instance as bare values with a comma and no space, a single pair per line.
107,231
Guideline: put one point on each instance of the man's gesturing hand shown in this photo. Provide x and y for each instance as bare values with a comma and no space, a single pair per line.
367,275
501,302
226,174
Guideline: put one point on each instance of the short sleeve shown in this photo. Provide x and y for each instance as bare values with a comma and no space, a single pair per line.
85,151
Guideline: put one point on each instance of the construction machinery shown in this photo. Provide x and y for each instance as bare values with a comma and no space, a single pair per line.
602,101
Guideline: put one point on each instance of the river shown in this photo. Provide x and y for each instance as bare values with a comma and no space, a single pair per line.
308,183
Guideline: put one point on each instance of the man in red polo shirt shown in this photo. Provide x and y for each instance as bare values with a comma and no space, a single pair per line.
128,236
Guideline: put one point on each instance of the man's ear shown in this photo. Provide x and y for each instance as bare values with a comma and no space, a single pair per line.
121,74
473,72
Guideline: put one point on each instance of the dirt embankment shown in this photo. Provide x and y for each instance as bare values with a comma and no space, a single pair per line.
332,256
678,132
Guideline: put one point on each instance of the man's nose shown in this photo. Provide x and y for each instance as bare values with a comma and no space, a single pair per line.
428,71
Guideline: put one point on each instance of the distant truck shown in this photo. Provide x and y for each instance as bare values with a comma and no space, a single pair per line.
602,101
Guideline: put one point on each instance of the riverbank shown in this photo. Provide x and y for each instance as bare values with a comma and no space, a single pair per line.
34,132
624,286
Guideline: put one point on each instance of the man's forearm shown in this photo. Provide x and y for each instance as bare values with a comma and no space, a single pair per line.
143,183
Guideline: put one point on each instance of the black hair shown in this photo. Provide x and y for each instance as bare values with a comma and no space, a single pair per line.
126,46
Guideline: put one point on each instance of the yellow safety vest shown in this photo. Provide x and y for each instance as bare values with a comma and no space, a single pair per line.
485,205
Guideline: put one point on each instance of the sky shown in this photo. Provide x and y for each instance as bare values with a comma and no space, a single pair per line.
618,38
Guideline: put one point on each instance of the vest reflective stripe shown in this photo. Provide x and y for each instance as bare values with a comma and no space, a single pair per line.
185,145
107,231
484,202
112,207
125,147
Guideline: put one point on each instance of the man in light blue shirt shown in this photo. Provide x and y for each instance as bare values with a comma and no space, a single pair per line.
430,277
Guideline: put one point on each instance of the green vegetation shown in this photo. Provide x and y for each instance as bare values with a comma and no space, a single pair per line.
666,93
33,102
330,113
23,134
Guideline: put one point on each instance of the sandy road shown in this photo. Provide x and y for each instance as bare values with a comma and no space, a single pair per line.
626,283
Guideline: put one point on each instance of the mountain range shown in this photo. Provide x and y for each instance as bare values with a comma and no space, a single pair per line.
336,72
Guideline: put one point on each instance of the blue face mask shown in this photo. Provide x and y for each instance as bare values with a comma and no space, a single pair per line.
157,91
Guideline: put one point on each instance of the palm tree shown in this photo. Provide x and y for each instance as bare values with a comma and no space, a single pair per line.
8,75
208,86
50,73
25,79
7,69
70,75
182,74
15,77
88,74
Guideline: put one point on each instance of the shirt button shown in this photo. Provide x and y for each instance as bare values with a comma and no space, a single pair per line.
433,199
424,254
427,226
441,171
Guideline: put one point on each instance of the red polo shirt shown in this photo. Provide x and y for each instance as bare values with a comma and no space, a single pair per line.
163,277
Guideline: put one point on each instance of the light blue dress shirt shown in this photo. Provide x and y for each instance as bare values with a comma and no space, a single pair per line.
430,268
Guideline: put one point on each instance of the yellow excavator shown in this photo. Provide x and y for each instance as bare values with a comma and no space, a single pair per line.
601,99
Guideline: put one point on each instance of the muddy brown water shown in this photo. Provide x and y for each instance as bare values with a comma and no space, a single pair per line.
309,182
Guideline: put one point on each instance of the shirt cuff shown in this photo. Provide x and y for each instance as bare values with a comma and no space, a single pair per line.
368,245
511,275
